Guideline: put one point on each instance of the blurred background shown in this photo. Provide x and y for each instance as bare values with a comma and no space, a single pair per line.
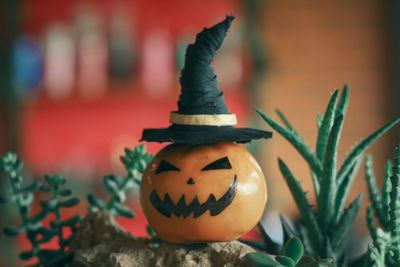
79,80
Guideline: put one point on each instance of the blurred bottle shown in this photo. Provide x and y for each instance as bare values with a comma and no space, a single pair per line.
157,71
27,65
59,72
122,46
92,55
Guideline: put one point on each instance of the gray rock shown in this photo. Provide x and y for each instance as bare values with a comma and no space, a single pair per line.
100,241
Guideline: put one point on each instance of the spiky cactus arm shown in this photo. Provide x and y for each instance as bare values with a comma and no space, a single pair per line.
395,206
325,227
371,225
374,194
326,198
386,189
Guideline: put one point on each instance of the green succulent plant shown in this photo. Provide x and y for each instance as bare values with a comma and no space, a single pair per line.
135,163
324,227
32,225
386,207
293,255
54,205
154,241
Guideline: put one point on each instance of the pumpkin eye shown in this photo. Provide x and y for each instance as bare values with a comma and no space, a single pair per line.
219,164
165,166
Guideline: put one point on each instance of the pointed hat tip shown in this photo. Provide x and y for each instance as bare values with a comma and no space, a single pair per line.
229,19
226,23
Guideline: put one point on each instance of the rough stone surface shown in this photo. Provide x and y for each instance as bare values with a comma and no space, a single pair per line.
100,241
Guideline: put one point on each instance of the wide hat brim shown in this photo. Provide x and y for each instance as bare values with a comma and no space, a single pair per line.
190,134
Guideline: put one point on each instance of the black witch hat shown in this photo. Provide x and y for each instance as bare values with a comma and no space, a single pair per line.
202,115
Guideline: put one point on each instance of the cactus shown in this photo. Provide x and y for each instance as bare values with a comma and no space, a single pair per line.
325,227
386,206
135,163
36,233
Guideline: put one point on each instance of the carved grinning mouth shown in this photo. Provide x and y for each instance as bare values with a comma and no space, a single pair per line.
166,206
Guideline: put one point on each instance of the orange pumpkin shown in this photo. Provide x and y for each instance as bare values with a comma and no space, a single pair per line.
203,193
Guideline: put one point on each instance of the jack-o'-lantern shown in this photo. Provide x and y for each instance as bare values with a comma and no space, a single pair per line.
200,193
204,187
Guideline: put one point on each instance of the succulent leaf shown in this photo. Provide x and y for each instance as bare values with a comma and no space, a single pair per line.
319,120
49,204
7,198
50,180
13,230
296,141
45,188
27,198
344,187
346,220
117,179
285,121
285,261
374,194
124,211
302,204
326,197
361,147
343,102
120,196
294,249
326,125
270,245
96,201
287,231
72,221
47,234
326,249
386,189
395,205
56,223
305,238
371,224
262,260
26,255
40,216
65,192
110,185
150,231
32,187
70,202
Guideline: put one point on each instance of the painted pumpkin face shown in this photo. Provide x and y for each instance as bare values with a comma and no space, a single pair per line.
203,193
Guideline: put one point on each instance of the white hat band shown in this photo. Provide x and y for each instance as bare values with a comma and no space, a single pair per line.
203,119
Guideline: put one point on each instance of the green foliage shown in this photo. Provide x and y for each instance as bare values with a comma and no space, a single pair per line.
324,229
154,241
386,206
293,251
135,163
60,199
36,233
